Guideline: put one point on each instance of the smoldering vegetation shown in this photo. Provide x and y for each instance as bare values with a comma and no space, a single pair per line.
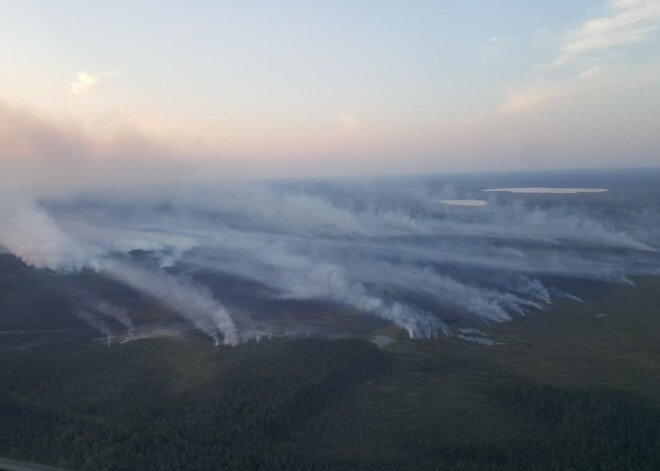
223,256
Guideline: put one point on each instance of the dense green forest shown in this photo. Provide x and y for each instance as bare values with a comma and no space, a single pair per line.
570,389
282,405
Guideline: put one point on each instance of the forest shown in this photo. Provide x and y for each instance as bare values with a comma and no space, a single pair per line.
574,387
305,404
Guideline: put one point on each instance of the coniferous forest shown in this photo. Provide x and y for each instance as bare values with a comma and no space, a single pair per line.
572,388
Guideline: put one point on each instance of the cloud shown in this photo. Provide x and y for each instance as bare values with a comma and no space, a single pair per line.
535,97
349,118
497,51
590,72
82,83
593,81
629,22
85,81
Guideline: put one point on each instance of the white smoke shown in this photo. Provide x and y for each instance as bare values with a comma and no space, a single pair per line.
30,234
194,303
118,314
386,251
96,322
35,238
298,277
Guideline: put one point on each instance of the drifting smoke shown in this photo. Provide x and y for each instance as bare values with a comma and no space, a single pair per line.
196,304
31,235
385,249
97,313
118,314
96,322
298,277
35,238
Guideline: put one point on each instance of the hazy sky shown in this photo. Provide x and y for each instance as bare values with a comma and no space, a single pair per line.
309,87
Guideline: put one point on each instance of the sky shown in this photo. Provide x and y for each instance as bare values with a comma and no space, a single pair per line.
297,88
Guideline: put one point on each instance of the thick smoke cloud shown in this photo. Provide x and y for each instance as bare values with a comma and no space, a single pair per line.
383,248
30,234
34,237
53,154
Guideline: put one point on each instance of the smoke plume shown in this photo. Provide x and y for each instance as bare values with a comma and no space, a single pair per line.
383,248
